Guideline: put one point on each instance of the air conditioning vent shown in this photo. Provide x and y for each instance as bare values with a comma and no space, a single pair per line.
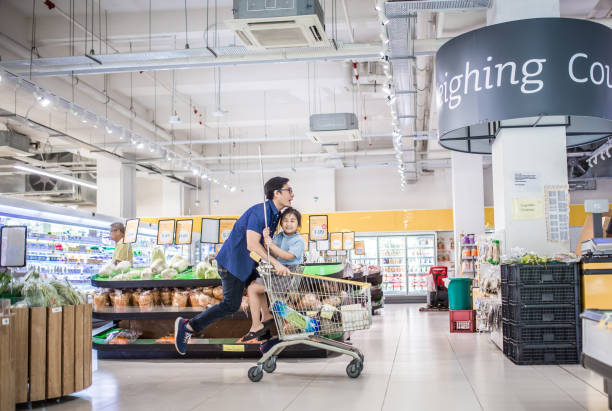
333,128
273,24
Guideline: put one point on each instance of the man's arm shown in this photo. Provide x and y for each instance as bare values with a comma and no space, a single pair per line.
254,245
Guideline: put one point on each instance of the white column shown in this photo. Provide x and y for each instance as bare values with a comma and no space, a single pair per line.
116,188
171,199
538,152
468,198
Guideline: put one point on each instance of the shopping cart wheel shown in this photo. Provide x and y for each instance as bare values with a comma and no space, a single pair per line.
354,368
255,373
270,364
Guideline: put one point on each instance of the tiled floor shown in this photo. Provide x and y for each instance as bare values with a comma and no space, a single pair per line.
412,362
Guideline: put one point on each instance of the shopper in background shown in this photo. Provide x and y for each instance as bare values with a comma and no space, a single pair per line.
236,267
123,251
288,247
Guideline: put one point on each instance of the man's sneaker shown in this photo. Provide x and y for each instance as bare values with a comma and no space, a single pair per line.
182,335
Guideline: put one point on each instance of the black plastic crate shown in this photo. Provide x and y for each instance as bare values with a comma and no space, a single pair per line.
535,334
540,314
551,273
528,354
536,294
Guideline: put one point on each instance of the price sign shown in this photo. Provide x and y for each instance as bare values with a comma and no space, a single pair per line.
359,248
165,232
335,241
225,229
318,227
183,232
210,231
348,241
131,231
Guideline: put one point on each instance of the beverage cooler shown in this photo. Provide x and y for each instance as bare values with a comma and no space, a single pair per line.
404,260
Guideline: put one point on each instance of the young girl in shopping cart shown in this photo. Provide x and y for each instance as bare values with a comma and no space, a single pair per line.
288,248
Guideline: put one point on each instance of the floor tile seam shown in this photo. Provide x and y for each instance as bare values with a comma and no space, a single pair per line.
584,381
310,381
450,343
560,388
397,345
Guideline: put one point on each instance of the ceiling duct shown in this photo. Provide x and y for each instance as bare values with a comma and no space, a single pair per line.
13,144
272,24
401,8
333,128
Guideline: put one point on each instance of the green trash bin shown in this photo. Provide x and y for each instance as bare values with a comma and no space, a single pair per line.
460,294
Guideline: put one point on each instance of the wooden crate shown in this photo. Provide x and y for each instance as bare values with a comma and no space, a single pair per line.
7,363
51,351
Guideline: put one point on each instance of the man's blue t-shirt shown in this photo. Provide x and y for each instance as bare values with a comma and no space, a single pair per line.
293,244
234,255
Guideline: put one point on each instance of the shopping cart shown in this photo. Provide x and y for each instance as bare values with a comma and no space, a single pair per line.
311,310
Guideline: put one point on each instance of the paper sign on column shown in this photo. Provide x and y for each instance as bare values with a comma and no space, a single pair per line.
527,182
557,214
527,208
131,231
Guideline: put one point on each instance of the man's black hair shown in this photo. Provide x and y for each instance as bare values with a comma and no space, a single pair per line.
274,184
290,210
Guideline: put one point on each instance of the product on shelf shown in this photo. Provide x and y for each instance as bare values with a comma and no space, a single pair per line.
206,271
122,336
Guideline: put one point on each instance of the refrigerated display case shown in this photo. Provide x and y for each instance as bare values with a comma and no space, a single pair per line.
404,260
68,243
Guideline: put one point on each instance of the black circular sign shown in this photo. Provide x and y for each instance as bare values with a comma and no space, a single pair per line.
535,72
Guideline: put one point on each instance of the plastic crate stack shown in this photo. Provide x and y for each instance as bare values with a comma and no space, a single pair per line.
540,313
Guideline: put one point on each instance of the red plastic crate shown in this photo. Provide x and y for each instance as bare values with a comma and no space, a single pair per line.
462,321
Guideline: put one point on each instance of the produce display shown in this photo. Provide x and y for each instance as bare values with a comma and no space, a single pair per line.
152,299
39,291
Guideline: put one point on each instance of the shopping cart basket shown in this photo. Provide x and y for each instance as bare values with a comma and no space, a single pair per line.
309,309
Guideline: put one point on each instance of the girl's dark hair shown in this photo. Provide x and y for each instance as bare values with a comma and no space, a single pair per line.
290,210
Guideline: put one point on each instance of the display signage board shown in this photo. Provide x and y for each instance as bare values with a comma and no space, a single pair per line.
13,246
348,241
317,225
305,239
322,245
359,248
225,228
335,241
165,232
210,230
525,69
184,228
131,231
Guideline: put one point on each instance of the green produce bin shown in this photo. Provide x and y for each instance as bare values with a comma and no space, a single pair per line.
460,294
324,269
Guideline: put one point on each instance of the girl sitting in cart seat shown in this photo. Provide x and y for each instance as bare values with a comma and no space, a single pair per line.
288,248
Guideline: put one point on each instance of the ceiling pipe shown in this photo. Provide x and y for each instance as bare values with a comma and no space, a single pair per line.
339,154
348,21
99,96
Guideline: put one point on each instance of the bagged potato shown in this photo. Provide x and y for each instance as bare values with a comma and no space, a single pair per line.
194,298
208,291
180,298
156,296
204,300
145,301
166,297
310,302
100,299
218,293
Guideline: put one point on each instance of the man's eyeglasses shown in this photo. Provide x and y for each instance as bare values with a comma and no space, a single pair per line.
287,189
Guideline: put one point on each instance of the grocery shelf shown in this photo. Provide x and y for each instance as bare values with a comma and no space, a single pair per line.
469,245
120,284
198,348
155,313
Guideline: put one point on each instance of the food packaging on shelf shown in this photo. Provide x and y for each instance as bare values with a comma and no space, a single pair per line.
166,297
145,301
180,298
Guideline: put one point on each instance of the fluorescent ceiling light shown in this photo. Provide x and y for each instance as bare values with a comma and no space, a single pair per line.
61,177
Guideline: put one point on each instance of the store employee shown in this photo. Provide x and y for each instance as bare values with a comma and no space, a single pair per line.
123,251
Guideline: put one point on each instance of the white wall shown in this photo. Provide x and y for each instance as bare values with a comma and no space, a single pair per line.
379,189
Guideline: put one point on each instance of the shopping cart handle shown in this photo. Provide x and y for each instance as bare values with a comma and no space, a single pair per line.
255,257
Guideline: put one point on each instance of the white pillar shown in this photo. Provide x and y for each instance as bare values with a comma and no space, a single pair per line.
468,199
171,199
537,153
116,188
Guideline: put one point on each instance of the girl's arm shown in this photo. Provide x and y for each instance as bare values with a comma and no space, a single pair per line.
275,250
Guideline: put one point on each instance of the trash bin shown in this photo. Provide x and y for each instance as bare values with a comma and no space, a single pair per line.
460,294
